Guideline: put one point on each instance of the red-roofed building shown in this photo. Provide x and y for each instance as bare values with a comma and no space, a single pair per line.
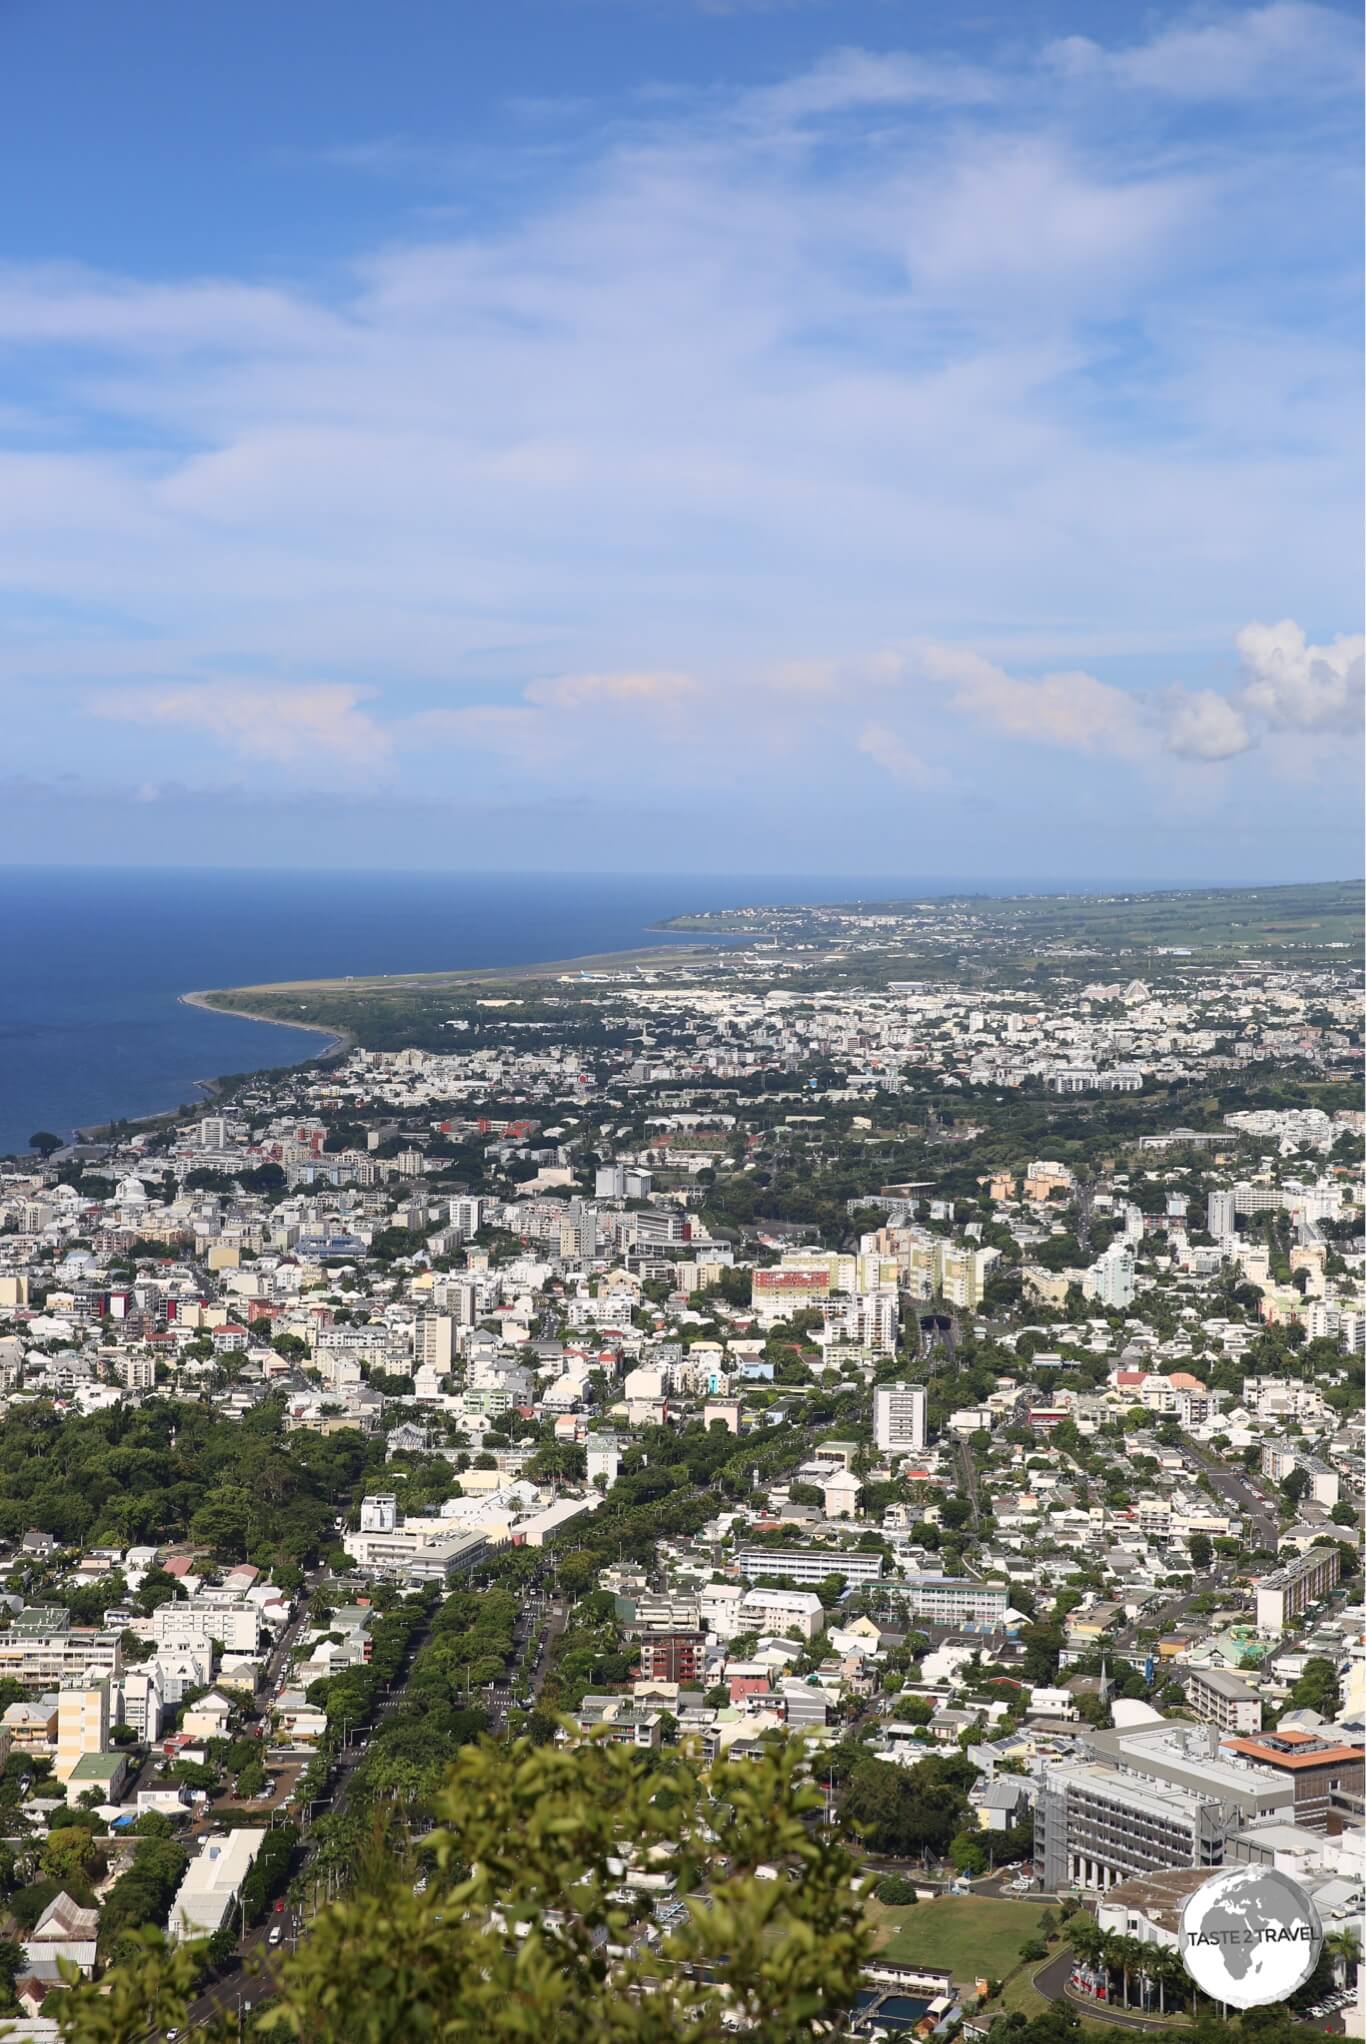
1316,1767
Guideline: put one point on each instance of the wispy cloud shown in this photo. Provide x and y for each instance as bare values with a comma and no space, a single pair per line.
286,726
622,691
956,361
1287,48
891,752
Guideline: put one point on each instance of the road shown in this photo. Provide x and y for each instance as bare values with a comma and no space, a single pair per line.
968,1464
1052,1980
1240,1495
250,1984
1161,1617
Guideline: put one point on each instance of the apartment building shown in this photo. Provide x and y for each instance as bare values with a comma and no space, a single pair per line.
900,1418
185,1623
808,1564
82,1724
43,1651
954,1600
673,1657
1287,1592
434,1342
1224,1700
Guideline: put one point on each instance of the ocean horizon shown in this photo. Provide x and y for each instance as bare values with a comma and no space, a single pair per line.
92,1027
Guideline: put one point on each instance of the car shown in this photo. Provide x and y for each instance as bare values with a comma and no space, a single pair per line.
279,1905
276,1933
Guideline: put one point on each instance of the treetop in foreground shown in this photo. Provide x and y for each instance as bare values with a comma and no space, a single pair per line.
518,1930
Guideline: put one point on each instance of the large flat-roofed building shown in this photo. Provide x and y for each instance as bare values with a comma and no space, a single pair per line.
425,1550
954,1600
1189,1758
1314,1768
1149,1908
808,1564
1288,1591
1224,1700
43,1650
1095,1827
212,1883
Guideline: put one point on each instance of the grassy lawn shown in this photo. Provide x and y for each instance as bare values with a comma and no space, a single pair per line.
965,1935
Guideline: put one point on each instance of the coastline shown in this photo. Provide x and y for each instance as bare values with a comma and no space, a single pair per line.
338,1040
655,958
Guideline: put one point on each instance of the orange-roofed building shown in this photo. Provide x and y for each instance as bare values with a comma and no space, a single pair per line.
1317,1767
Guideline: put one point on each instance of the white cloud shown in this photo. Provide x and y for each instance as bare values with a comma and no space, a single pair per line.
1024,214
854,80
285,726
895,757
1206,726
1072,710
851,677
621,691
1299,687
1288,47
713,393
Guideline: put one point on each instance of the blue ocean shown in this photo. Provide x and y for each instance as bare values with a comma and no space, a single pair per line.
92,961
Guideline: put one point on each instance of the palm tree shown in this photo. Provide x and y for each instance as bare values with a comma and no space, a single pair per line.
1170,1973
1085,1937
1344,1949
1124,1951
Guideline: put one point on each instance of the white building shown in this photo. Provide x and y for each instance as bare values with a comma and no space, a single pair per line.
1110,1279
900,1418
212,1885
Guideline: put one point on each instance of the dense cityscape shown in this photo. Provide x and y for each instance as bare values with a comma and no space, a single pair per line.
909,1350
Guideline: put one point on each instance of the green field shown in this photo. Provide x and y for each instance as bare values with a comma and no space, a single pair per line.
966,1935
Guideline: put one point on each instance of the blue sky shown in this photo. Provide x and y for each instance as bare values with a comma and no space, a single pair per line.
636,433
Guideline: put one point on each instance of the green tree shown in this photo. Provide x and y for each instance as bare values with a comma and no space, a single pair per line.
68,1854
506,1939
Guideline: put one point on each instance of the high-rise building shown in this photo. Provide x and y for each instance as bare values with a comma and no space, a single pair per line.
900,1418
82,1724
434,1342
1220,1216
1110,1279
